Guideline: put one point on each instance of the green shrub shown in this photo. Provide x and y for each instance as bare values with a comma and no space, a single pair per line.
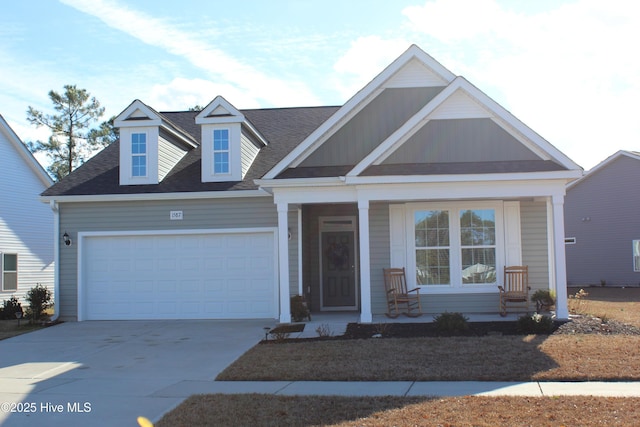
10,308
451,323
39,299
535,324
544,299
299,309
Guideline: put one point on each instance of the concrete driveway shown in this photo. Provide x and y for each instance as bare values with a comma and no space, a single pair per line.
109,373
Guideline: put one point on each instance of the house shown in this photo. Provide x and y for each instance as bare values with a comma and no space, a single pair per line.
227,213
26,224
602,223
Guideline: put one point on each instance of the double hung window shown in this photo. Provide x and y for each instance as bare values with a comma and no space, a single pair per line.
139,154
455,247
220,151
9,272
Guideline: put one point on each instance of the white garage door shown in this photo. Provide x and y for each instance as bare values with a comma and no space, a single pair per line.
178,276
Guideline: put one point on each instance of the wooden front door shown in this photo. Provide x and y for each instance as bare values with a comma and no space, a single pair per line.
338,261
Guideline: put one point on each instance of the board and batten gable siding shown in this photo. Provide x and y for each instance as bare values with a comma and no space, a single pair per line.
208,214
26,224
603,214
369,127
169,154
460,140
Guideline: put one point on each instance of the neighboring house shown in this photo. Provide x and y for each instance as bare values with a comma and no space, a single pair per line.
602,223
26,224
226,213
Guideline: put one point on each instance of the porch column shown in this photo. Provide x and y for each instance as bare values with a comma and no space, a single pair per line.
365,264
562,311
283,262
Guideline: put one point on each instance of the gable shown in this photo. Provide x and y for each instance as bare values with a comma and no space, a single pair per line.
613,176
15,146
460,140
372,125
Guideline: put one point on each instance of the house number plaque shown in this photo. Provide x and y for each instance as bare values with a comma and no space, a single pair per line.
175,215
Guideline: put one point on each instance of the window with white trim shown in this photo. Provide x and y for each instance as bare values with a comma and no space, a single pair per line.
457,246
138,154
220,151
636,255
9,272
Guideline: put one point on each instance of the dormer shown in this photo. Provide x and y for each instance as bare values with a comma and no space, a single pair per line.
150,146
229,142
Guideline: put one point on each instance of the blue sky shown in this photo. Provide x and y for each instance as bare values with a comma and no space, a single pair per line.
568,69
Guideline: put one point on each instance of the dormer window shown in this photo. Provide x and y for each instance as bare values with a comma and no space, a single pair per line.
229,142
139,154
221,151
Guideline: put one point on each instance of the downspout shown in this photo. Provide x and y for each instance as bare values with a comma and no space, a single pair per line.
56,259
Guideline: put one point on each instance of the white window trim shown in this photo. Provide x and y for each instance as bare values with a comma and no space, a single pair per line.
2,271
126,163
235,166
145,155
214,151
635,251
456,285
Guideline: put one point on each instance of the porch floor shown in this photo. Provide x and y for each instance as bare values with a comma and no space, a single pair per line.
335,323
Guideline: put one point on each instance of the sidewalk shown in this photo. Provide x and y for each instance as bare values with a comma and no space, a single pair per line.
405,388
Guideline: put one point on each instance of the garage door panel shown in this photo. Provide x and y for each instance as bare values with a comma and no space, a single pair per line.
179,276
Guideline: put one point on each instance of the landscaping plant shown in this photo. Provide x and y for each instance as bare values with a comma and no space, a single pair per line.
39,299
9,309
451,323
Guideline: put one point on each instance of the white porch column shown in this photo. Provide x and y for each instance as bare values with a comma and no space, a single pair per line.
365,264
283,262
562,311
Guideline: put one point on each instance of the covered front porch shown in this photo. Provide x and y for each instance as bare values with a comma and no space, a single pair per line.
529,231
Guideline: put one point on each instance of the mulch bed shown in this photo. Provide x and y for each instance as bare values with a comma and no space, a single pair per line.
578,325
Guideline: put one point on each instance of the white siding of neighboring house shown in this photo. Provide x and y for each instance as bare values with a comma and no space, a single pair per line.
26,224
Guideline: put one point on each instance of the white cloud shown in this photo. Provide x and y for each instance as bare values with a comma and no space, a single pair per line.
364,60
570,73
200,53
181,94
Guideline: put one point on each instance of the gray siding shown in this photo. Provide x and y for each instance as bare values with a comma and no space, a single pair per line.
609,202
461,140
151,215
293,252
535,251
379,243
533,220
367,129
168,156
248,153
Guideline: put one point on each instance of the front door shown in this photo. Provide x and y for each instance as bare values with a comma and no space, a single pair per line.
338,261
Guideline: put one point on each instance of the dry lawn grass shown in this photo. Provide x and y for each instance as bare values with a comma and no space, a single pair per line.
269,410
621,304
11,328
492,358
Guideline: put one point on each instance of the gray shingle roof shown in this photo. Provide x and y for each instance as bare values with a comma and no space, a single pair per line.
283,128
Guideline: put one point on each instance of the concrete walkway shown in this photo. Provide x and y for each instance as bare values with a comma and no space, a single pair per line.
406,388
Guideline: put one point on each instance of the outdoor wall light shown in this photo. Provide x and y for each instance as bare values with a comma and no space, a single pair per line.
66,239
